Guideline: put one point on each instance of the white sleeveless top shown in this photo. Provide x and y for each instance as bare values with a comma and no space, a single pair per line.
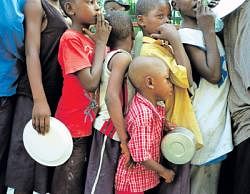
210,106
103,114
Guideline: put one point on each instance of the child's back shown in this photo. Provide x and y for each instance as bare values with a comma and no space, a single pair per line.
110,134
80,56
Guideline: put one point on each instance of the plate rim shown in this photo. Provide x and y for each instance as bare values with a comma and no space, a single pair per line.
68,148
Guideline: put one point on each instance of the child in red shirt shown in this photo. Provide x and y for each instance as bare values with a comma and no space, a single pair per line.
110,133
145,119
81,61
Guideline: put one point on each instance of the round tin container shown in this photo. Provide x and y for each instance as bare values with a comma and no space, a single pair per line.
178,146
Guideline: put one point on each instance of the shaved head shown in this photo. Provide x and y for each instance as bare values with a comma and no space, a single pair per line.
143,66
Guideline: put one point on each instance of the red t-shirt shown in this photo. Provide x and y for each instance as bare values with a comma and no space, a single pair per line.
76,52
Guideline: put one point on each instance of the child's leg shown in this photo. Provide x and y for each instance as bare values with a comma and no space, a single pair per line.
69,178
204,179
102,165
6,116
23,173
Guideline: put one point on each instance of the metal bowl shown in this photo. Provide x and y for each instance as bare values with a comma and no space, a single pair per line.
178,146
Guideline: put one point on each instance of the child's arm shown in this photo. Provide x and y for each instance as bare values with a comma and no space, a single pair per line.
118,66
206,62
165,173
33,22
169,32
90,77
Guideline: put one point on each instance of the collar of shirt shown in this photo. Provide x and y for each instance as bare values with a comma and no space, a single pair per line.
163,43
159,111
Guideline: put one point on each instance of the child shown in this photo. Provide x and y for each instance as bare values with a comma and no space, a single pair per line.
152,17
116,5
110,131
207,57
12,40
81,62
150,77
39,89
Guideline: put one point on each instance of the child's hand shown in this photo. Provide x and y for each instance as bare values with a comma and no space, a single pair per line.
41,117
167,32
169,126
205,18
168,175
103,30
124,150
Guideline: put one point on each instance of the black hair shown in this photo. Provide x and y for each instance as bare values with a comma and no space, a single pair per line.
121,26
143,7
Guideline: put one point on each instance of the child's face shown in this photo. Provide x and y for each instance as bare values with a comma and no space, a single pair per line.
186,7
163,88
86,11
155,18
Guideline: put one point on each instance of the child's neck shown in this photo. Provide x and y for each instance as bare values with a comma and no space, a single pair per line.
121,45
145,33
189,22
78,27
149,97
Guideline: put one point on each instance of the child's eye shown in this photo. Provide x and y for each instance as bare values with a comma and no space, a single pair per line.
160,16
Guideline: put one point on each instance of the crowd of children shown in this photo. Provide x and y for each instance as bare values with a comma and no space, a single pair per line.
117,107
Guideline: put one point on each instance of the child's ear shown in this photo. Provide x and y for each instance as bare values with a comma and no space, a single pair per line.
140,21
69,8
175,7
149,82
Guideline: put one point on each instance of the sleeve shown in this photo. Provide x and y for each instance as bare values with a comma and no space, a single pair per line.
140,142
192,37
73,56
178,74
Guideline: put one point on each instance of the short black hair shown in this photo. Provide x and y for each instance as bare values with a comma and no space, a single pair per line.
121,26
143,7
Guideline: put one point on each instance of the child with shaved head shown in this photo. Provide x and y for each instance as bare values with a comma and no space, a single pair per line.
161,40
150,77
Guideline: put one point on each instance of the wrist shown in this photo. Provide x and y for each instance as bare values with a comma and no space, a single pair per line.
101,43
41,99
124,141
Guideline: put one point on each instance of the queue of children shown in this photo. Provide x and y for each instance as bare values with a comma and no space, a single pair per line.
112,104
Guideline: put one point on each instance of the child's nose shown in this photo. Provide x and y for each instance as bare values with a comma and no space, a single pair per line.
167,20
97,8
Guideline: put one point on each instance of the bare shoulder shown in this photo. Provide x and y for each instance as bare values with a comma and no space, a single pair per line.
35,3
121,59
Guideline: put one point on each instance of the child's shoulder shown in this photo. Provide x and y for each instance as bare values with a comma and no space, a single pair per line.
119,54
157,48
192,36
71,35
140,108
